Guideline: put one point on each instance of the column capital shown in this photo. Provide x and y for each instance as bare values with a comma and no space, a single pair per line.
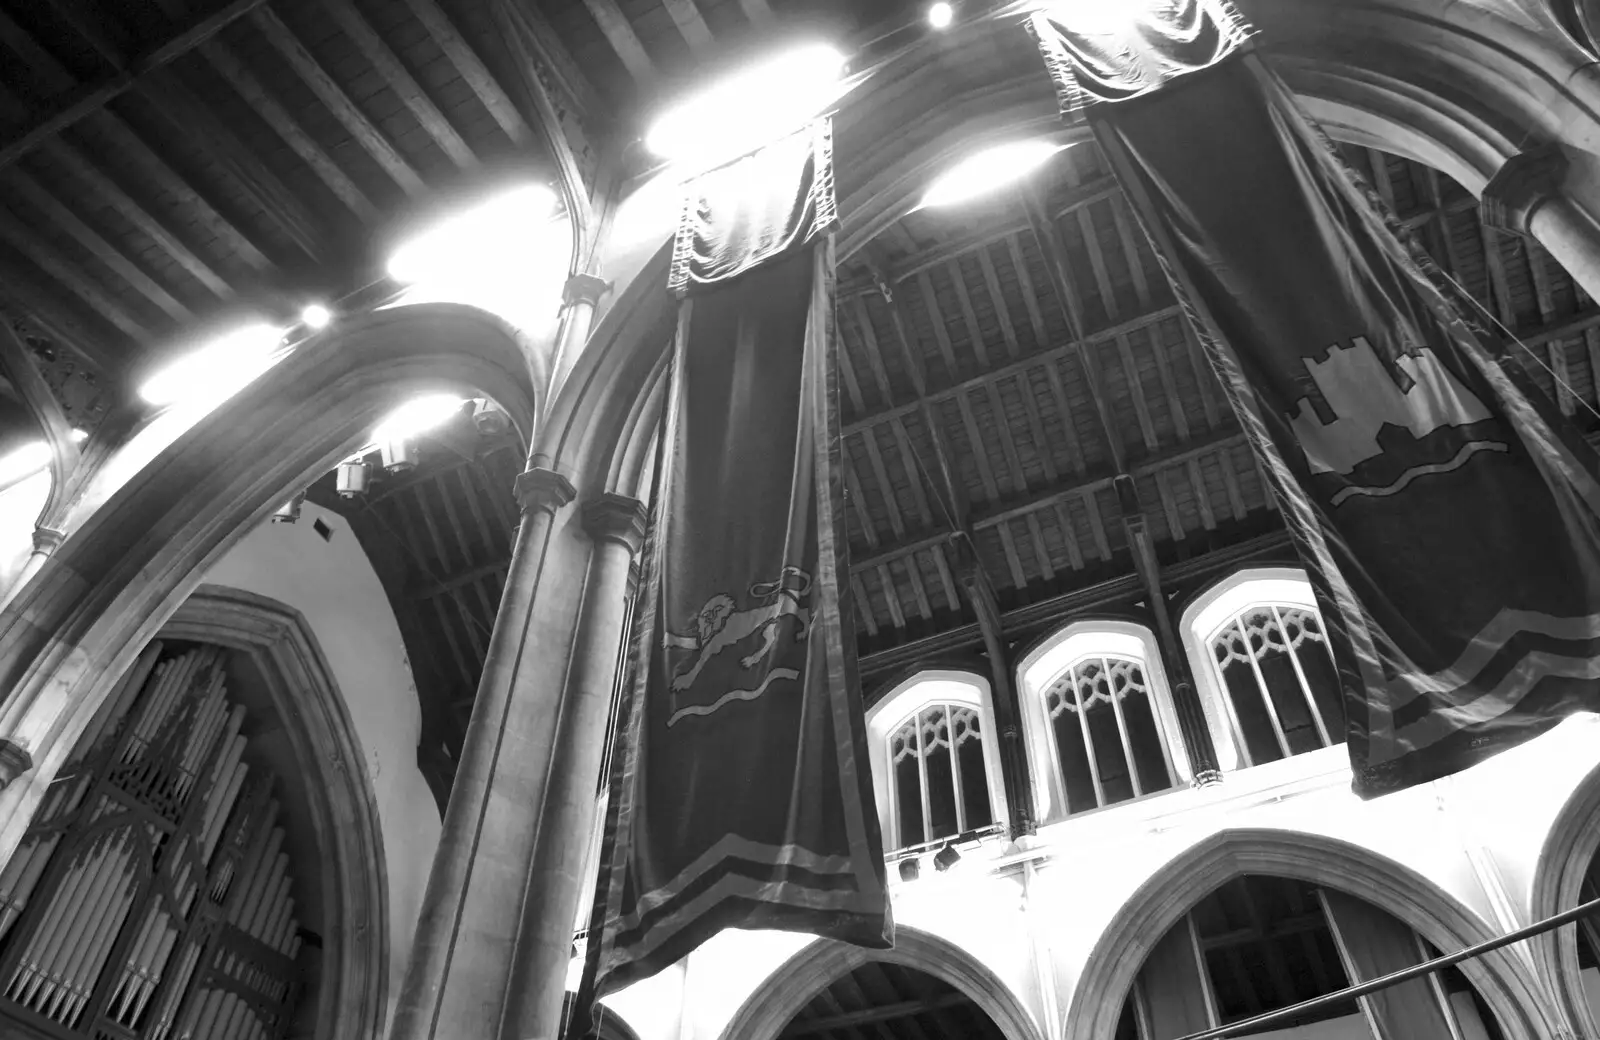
14,761
46,540
543,489
616,518
1525,182
583,288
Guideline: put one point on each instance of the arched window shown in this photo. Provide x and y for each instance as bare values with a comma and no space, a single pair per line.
1099,719
1262,661
935,760
1262,943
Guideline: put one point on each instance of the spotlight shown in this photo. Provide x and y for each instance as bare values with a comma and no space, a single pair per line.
489,419
399,456
315,316
946,858
352,477
78,435
987,170
289,512
940,15
910,869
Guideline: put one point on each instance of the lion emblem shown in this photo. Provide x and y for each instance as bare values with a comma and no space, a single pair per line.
720,625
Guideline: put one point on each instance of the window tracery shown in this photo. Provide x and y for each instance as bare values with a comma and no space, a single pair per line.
1103,730
1264,669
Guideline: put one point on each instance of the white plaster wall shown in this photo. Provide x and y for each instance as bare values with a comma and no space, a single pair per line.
1477,836
20,506
334,586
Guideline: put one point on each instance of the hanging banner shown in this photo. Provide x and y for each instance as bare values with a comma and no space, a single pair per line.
745,798
1447,516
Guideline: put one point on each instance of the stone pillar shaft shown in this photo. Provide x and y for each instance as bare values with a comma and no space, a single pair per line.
579,298
556,883
434,963
1526,197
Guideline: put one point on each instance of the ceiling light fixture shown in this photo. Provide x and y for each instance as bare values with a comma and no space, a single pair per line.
25,461
417,416
493,232
988,170
78,435
749,108
940,15
217,370
315,316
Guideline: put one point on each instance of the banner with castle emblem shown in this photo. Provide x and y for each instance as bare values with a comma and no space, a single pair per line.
745,794
1449,520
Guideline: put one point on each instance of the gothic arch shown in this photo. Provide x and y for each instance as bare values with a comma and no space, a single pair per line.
1573,842
1506,984
81,619
344,811
785,991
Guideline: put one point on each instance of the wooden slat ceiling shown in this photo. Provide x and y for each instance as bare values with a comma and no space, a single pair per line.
975,347
879,1001
164,161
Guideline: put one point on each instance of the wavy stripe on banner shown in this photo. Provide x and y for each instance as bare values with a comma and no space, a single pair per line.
735,695
732,846
1537,666
1492,639
737,886
1468,450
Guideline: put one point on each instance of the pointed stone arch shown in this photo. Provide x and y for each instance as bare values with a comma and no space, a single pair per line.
1572,843
81,619
1506,983
342,803
788,989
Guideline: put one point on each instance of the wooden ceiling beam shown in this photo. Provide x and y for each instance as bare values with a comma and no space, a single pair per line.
618,31
192,118
38,197
759,12
334,98
174,103
58,320
80,166
472,68
233,70
1017,367
1001,512
89,98
691,24
66,273
393,70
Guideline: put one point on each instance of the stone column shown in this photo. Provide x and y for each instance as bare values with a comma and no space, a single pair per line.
541,494
555,883
1526,197
580,296
46,540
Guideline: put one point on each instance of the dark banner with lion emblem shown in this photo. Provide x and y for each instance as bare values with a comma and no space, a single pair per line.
1449,517
745,797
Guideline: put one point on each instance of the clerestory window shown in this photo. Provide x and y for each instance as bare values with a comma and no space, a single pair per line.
1264,656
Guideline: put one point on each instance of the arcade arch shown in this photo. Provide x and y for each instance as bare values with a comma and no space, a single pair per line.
1505,983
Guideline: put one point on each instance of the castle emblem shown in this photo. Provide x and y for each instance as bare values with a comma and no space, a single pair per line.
1364,396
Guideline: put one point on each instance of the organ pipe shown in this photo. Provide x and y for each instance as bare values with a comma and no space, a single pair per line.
152,896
